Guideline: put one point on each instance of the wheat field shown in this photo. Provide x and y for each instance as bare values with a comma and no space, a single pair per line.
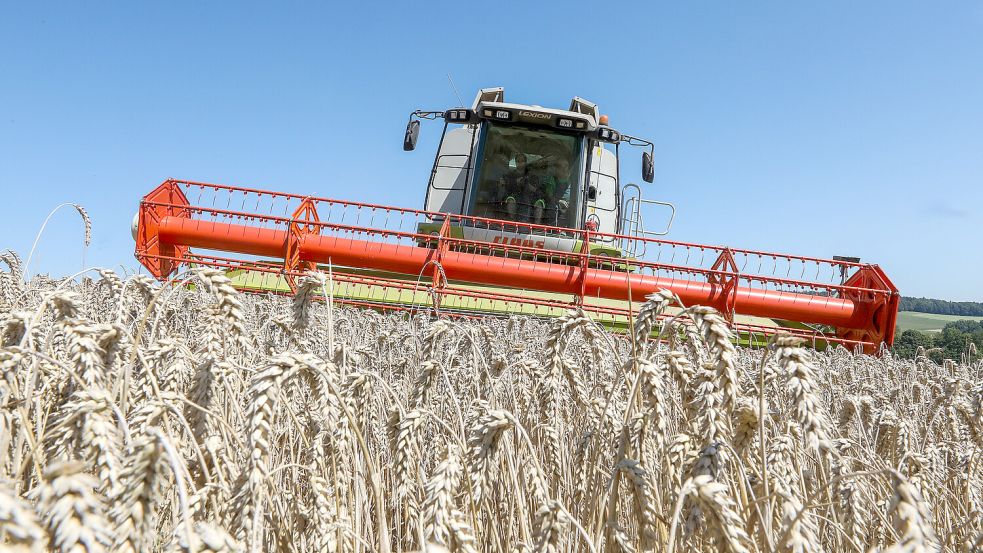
187,417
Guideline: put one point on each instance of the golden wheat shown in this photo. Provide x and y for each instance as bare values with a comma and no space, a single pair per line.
189,417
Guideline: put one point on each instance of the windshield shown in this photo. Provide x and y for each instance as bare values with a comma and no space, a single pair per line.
528,175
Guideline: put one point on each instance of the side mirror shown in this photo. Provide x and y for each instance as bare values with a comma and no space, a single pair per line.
412,133
648,167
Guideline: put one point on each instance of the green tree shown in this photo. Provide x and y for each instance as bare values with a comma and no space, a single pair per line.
966,326
906,345
955,338
942,307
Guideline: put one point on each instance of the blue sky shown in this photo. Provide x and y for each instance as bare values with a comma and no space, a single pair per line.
819,128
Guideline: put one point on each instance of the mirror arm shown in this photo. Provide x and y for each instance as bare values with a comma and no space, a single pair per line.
430,115
635,141
648,158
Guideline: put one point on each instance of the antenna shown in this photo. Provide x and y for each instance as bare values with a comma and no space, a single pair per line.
456,93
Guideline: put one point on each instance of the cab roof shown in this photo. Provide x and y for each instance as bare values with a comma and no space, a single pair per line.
494,99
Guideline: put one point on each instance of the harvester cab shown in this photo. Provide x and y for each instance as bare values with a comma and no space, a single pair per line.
526,174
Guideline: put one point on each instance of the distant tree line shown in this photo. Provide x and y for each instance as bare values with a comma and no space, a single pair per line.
951,343
942,307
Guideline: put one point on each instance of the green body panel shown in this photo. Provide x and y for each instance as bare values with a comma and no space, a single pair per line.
434,228
257,281
456,231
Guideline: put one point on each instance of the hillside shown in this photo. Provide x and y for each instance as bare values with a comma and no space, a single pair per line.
928,322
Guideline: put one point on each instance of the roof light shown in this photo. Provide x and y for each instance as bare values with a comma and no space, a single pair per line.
565,123
457,115
581,125
503,114
607,134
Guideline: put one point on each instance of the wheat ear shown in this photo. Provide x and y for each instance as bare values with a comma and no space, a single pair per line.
404,434
911,519
72,510
209,538
135,508
19,523
307,286
227,313
797,367
719,338
645,511
482,445
713,497
438,505
648,314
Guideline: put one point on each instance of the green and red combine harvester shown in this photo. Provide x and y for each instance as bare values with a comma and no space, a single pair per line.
524,214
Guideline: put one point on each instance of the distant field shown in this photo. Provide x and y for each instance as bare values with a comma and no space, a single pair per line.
927,322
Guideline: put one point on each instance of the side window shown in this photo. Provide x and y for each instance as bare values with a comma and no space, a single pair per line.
449,183
452,159
604,179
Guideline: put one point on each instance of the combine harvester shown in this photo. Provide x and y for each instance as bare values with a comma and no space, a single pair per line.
524,213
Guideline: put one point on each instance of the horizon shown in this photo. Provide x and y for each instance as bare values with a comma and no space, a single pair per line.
809,130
